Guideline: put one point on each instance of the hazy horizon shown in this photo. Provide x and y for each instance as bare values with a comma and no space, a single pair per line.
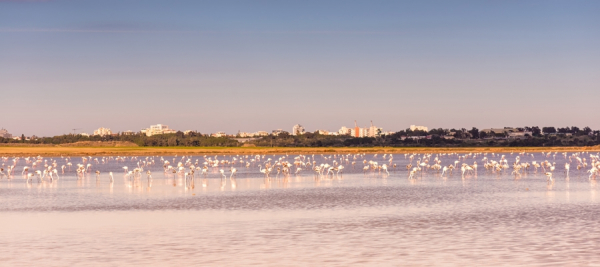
250,66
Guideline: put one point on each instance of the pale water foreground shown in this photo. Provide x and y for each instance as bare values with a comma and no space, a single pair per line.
354,218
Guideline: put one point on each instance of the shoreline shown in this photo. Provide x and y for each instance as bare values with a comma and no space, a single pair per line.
56,151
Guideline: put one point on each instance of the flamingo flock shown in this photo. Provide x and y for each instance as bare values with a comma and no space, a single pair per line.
323,166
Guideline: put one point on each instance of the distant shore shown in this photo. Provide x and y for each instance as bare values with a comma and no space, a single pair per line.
150,151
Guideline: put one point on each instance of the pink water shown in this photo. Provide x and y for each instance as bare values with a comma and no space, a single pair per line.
301,220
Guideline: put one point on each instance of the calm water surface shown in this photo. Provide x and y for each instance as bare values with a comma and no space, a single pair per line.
354,218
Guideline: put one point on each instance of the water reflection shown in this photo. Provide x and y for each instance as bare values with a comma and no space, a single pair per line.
312,216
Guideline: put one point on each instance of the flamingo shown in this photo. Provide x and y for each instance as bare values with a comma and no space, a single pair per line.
412,173
39,175
339,169
263,171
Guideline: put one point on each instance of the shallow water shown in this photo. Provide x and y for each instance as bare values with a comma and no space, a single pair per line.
300,219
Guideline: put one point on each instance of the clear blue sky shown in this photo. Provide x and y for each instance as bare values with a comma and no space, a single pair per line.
262,65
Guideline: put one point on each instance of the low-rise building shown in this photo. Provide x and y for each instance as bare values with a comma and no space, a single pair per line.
219,134
261,133
278,132
157,129
245,134
504,130
520,134
27,138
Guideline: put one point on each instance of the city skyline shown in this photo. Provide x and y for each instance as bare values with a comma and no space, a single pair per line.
356,131
238,65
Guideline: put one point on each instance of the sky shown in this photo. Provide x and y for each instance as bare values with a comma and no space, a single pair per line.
263,65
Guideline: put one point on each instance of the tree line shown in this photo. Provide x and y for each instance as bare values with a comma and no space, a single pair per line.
545,136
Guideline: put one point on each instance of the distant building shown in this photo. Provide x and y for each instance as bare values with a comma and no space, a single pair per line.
520,134
278,132
374,131
4,133
103,131
244,134
261,133
499,130
27,138
297,130
128,132
85,134
323,132
344,131
359,132
219,134
356,132
157,129
420,128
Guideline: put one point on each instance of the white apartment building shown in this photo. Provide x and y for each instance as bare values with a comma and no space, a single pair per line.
359,132
420,128
344,131
374,131
297,130
157,129
102,131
